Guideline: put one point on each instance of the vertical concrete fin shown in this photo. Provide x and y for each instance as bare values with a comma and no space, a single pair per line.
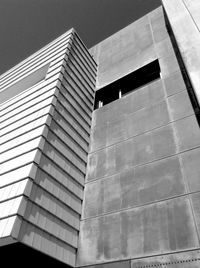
182,16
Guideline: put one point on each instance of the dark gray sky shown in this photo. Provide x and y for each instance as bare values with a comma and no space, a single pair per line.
28,25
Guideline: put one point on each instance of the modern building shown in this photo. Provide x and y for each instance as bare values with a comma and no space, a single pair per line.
116,127
46,108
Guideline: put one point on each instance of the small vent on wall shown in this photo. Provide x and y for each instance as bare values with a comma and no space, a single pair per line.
172,264
127,84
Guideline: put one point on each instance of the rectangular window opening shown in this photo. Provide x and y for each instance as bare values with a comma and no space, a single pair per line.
26,82
127,84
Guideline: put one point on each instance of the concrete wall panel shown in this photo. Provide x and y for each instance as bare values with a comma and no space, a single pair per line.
187,133
195,204
183,18
174,83
164,48
145,97
193,7
141,149
142,167
119,57
134,187
130,125
159,228
157,22
191,168
168,65
180,105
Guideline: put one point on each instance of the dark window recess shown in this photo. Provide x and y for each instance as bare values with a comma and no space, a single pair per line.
127,84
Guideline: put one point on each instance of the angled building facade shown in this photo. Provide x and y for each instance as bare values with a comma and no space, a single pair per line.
100,149
46,109
141,202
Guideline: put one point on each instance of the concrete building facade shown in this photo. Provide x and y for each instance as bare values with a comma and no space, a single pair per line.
133,118
141,202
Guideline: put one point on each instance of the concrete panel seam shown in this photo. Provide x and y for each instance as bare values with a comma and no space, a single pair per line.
148,131
152,34
142,258
190,201
139,206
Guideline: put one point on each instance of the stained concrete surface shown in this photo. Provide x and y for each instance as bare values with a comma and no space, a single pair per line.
135,186
142,172
139,232
128,50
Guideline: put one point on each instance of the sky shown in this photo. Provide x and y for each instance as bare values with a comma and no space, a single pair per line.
28,25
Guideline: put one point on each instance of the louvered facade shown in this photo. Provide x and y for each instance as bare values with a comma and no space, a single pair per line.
45,117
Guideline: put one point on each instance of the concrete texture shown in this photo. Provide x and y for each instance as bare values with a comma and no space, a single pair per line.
133,163
185,23
152,229
141,193
128,50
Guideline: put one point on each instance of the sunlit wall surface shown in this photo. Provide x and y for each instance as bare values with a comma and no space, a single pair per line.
141,202
45,117
139,150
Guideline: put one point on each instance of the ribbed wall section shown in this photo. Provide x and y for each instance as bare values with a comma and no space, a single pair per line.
44,137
